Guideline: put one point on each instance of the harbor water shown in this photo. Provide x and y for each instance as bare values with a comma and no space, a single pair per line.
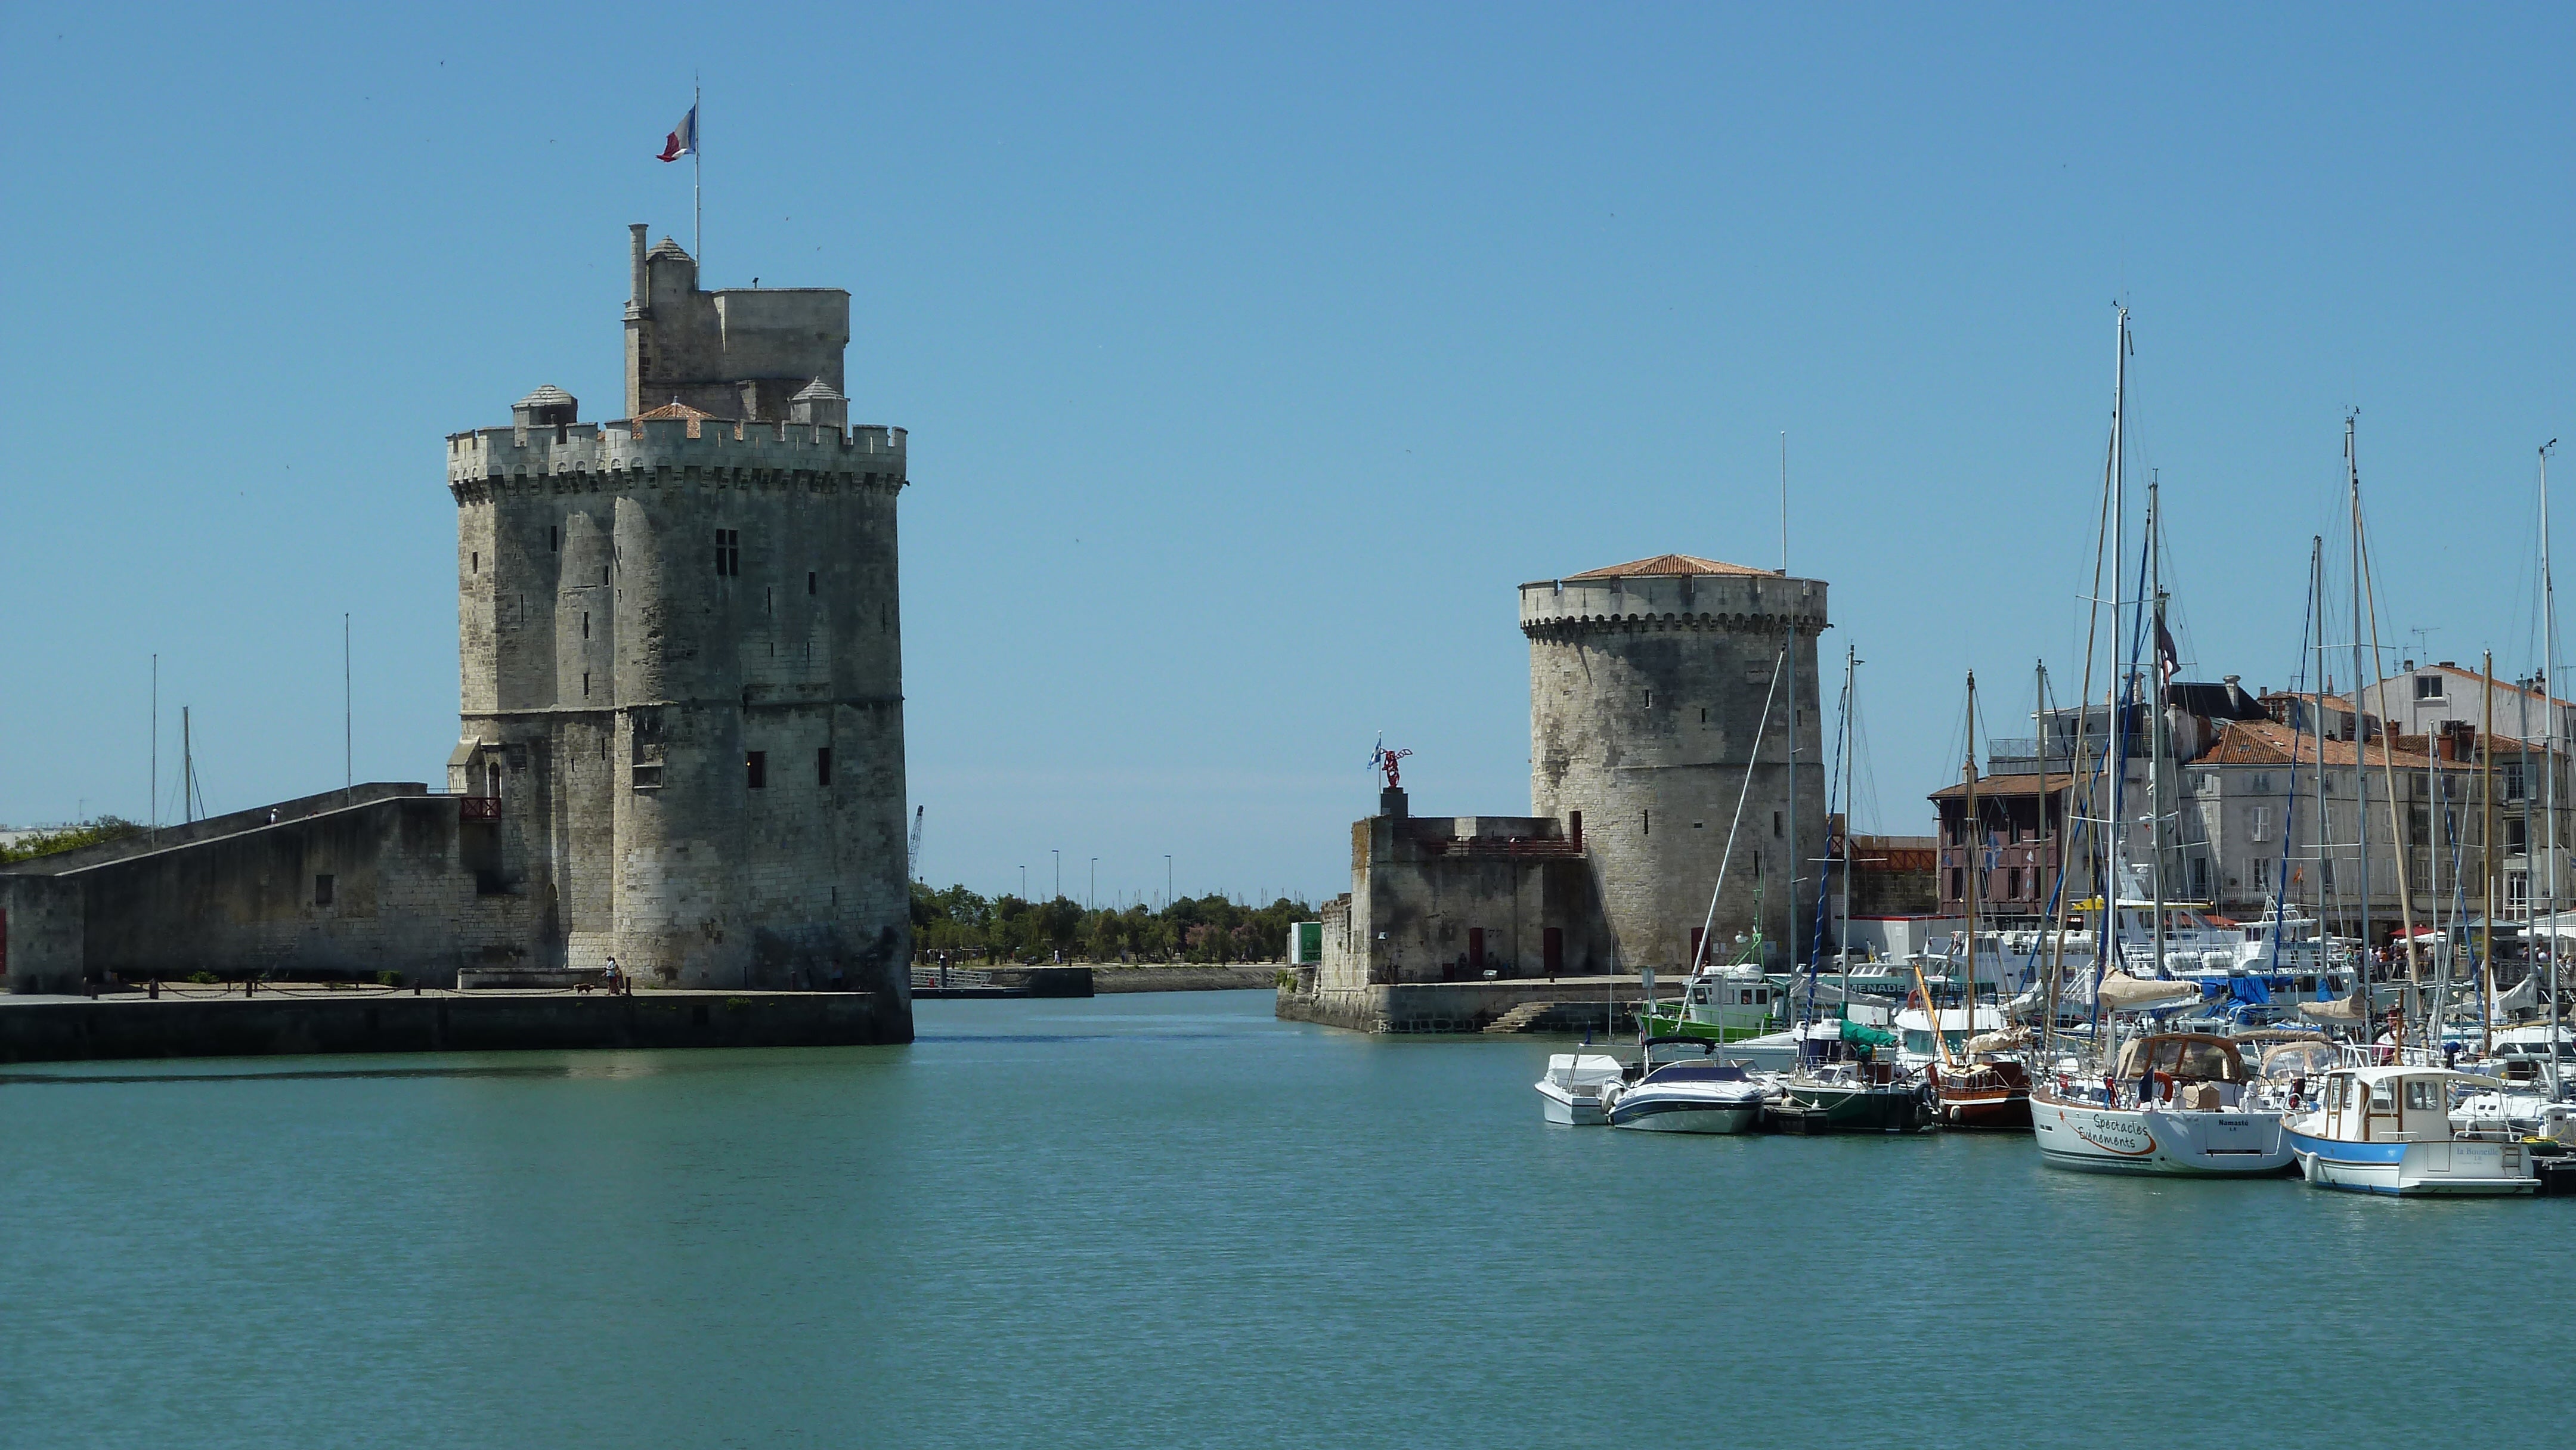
1173,1220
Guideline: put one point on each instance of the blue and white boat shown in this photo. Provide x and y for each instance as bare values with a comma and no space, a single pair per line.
1686,1097
2389,1130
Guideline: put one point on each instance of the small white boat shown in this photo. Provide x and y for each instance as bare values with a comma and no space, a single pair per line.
1574,1085
1687,1097
2389,1130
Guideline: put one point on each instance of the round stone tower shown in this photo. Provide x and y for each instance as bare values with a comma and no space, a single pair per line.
682,665
1647,686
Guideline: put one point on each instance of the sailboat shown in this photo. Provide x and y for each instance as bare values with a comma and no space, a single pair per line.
1844,1078
2166,1102
1985,1085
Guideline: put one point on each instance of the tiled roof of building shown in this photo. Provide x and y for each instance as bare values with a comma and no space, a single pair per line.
548,396
2001,785
2269,742
818,391
668,248
1669,564
674,409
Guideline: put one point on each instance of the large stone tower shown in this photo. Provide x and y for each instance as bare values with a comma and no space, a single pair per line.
1647,684
682,657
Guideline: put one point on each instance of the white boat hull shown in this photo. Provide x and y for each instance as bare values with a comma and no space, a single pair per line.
1570,1110
2097,1139
2415,1169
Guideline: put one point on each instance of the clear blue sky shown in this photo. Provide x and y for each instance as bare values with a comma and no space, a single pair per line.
1251,357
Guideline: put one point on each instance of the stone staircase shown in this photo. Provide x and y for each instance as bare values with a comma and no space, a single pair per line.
1567,1018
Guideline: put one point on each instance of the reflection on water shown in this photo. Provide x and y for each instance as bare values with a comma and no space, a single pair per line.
1168,1220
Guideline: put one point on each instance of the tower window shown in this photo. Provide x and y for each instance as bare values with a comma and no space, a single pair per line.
585,624
823,766
554,539
768,600
1775,825
585,684
474,562
729,553
756,769
1650,699
1645,823
809,581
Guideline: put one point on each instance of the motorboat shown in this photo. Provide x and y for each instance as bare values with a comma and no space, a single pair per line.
1721,1003
1711,1095
1573,1086
2389,1130
2174,1104
1867,1095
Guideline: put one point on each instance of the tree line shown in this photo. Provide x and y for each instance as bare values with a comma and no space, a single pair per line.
1005,928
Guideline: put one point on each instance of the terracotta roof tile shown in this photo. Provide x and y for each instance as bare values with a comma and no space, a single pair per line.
2001,785
1669,564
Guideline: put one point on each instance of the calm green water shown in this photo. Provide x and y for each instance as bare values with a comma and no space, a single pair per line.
1171,1220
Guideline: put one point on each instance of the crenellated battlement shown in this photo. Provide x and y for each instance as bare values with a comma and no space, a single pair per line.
681,448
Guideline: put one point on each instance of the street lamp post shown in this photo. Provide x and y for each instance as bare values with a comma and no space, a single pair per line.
1092,901
1059,872
1167,881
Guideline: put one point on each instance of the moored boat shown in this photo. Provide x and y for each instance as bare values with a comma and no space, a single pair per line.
1573,1086
1989,1090
1868,1096
2389,1130
1686,1097
2174,1106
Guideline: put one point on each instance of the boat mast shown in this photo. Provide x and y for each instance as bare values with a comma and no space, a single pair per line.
2317,720
2550,758
1851,661
2486,845
2413,996
2107,956
2360,732
2045,895
2157,746
1796,718
1976,841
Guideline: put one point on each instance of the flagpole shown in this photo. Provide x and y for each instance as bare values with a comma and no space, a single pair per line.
698,175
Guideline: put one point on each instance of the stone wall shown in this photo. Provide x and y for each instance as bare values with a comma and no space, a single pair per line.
402,896
1646,694
1425,890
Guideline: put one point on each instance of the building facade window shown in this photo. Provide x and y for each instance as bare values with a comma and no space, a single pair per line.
326,889
810,581
823,766
2428,687
554,539
756,769
728,553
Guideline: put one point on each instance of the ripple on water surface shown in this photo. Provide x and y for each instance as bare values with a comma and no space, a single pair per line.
1172,1220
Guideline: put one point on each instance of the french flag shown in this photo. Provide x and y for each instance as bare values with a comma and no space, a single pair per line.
684,141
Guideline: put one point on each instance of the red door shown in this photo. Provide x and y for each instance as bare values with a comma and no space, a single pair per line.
1475,950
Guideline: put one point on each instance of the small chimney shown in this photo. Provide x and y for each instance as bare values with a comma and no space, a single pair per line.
635,233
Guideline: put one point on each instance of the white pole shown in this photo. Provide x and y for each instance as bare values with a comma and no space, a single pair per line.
698,176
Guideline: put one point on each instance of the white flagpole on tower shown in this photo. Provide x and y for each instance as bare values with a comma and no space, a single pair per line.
698,175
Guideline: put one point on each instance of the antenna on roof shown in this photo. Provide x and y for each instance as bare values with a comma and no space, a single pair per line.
1784,503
